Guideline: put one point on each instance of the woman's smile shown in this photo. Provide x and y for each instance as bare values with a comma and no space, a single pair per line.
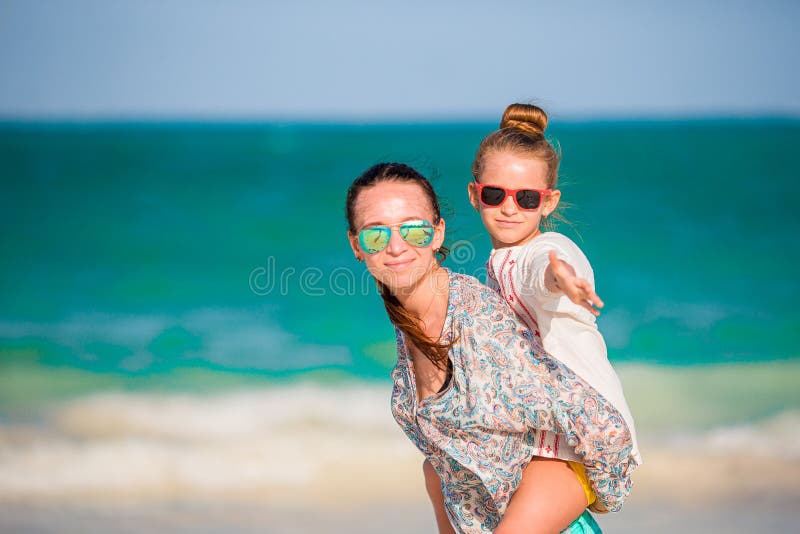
398,265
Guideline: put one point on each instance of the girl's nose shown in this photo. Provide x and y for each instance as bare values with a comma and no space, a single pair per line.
509,206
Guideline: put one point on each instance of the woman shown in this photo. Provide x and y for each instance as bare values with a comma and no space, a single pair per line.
471,383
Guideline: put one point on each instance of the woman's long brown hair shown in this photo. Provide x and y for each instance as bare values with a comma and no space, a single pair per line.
406,321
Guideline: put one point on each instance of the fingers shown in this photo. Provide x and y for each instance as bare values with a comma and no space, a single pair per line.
578,290
587,305
591,296
592,310
585,296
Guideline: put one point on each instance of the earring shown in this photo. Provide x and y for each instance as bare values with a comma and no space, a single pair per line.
359,259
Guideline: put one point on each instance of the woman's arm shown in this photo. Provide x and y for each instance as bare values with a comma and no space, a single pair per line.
548,499
434,486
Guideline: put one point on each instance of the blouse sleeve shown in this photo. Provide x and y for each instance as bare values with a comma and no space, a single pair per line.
556,399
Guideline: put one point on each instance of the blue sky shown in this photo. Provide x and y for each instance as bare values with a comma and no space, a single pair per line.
389,60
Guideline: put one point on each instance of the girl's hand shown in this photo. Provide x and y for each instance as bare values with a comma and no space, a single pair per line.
562,278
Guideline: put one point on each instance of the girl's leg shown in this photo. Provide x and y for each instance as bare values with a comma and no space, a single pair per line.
548,499
434,486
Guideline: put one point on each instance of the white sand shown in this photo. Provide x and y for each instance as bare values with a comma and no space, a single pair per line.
672,494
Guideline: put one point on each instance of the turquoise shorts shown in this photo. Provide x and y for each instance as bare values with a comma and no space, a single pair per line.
585,524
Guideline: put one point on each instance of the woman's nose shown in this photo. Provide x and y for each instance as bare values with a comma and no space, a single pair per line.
397,244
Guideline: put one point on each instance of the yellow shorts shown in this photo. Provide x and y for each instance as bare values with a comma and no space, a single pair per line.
580,472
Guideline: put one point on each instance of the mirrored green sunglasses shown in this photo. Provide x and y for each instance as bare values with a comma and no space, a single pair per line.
418,233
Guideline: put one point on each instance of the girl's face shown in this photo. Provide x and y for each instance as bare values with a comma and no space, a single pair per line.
508,225
400,265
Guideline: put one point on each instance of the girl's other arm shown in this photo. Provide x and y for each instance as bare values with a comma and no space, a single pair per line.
560,277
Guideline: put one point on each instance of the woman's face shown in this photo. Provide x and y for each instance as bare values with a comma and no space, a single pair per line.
400,265
507,224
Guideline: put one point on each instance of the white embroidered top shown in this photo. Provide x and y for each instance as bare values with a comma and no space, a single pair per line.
568,331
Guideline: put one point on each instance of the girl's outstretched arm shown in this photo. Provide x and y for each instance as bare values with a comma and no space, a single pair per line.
434,486
560,276
548,499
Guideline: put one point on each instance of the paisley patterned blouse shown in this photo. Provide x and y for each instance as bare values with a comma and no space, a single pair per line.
478,432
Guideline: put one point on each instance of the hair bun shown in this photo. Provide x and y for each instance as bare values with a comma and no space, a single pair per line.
526,117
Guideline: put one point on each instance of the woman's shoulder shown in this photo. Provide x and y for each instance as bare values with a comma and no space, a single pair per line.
471,300
467,286
462,280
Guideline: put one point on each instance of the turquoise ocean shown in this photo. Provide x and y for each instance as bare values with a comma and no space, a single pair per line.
170,284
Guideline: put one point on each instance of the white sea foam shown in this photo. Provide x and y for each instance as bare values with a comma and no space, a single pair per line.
310,441
777,437
301,440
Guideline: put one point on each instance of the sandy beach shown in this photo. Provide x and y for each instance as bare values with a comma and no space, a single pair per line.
672,494
734,517
761,513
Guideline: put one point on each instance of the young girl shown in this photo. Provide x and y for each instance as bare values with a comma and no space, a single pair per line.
544,276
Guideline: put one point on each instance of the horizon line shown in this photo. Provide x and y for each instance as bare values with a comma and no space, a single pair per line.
391,120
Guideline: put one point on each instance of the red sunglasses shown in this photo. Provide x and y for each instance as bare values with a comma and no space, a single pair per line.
526,199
